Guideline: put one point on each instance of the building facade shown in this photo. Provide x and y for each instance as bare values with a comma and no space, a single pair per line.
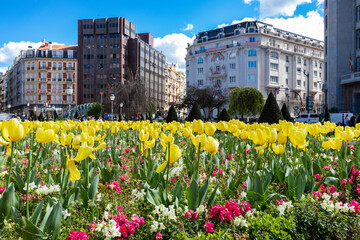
111,52
175,87
39,78
256,54
3,107
342,54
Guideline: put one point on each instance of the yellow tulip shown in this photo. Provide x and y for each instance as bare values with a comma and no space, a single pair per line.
211,145
198,126
347,135
150,144
66,140
114,129
259,137
278,149
74,173
84,152
46,136
281,138
13,131
210,129
187,132
3,142
298,138
76,142
244,135
197,140
233,128
143,136
100,146
326,145
336,144
175,154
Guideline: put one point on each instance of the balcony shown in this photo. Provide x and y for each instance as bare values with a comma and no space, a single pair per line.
54,79
69,79
252,43
60,68
28,79
215,49
32,79
54,90
43,68
68,68
42,90
28,69
60,91
350,78
215,72
54,68
59,79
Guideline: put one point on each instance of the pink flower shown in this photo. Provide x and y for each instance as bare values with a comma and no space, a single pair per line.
343,183
229,157
221,172
127,150
77,235
27,146
158,236
25,161
326,167
214,173
92,225
318,176
209,227
2,189
190,215
351,147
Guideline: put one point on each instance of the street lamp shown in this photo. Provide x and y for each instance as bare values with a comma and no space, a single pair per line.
9,106
112,98
69,92
121,106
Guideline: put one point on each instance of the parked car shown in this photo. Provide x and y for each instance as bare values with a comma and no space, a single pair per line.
4,116
308,118
339,118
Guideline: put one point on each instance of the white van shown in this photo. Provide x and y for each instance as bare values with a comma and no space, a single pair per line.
339,118
308,118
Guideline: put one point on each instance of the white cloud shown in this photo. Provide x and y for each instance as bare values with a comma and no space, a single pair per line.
235,22
174,47
269,8
3,69
11,50
188,27
320,2
313,21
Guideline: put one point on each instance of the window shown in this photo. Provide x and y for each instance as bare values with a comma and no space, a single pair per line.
43,86
217,83
59,77
54,66
43,76
315,63
217,68
218,59
200,70
232,55
54,77
358,13
298,60
304,62
304,84
252,53
274,55
59,98
200,82
274,66
54,87
32,66
287,81
287,69
60,66
287,58
70,66
315,73
43,98
232,79
251,39
251,30
251,78
315,84
274,79
70,53
217,45
28,66
202,49
298,70
232,65
43,66
200,60
298,83
59,87
252,64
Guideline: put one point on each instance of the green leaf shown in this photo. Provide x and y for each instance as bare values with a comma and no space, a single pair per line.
331,180
212,197
153,197
53,223
93,188
36,215
29,231
84,197
7,201
290,181
300,186
203,192
16,215
258,187
177,191
193,195
48,210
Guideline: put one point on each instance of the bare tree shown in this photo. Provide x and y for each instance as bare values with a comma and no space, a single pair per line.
208,98
131,93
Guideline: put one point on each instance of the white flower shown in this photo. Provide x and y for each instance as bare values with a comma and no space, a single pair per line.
3,173
243,194
200,209
98,197
66,213
106,215
108,207
154,226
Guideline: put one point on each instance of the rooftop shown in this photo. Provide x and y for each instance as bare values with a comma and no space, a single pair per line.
50,46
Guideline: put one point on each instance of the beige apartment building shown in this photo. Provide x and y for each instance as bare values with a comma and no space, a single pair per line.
175,87
38,79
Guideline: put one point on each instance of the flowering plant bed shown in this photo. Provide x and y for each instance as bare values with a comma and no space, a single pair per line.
142,180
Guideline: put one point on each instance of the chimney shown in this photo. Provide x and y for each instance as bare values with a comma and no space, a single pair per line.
50,45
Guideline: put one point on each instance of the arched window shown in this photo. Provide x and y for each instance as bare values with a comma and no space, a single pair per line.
200,60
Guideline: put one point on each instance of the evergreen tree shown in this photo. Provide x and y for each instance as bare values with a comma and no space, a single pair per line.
55,115
195,113
327,115
41,117
76,115
95,110
33,115
271,112
172,115
224,116
285,113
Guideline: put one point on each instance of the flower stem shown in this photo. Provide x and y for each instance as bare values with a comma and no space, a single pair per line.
168,171
28,178
11,163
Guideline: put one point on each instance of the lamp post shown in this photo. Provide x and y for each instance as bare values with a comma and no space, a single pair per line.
121,106
101,94
308,97
112,98
9,106
69,92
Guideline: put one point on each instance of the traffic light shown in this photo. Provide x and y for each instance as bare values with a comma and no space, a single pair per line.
303,107
277,90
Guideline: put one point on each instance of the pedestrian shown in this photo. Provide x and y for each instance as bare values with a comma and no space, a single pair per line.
347,120
352,121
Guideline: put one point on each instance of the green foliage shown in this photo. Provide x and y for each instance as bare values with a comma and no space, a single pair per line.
76,115
33,115
151,109
245,101
285,113
221,235
55,115
41,117
195,113
172,115
327,114
266,226
95,110
224,116
271,112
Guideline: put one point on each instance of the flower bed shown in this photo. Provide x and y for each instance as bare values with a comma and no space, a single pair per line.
142,180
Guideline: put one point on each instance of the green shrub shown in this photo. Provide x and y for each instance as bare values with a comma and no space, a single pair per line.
224,116
327,115
271,112
195,113
285,113
172,115
41,117
95,110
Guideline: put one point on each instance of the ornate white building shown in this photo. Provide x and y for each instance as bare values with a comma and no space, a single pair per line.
175,87
256,54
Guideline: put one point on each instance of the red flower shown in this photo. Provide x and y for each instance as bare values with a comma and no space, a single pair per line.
209,227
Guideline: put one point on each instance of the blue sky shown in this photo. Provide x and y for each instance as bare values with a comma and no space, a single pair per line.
172,23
